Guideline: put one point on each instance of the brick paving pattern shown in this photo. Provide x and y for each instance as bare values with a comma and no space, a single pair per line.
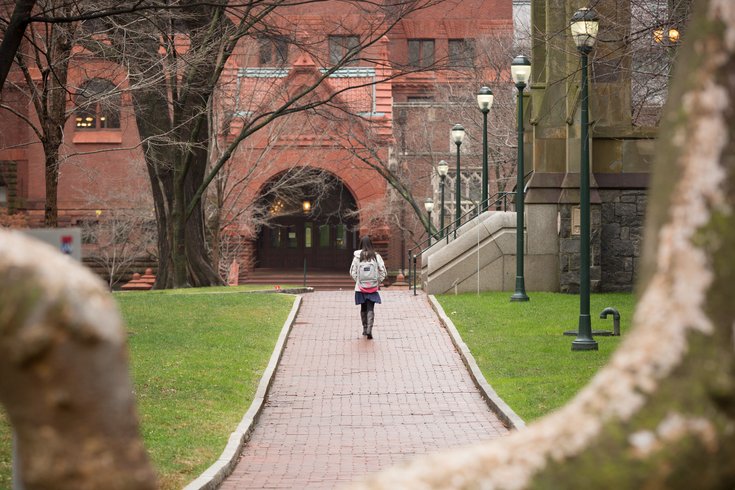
342,406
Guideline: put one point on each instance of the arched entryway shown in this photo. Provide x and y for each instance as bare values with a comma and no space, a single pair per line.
308,219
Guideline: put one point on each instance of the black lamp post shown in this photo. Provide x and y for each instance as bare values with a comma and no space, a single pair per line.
457,137
584,26
442,169
520,70
429,207
485,101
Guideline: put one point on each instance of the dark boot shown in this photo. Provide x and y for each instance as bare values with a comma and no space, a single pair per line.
363,317
370,320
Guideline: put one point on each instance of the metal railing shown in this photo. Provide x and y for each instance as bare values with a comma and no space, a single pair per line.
498,202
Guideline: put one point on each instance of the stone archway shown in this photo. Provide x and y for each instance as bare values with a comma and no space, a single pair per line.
309,218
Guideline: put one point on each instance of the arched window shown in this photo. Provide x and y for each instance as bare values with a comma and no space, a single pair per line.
98,105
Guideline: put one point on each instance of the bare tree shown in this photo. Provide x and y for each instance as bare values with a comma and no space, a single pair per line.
49,54
119,238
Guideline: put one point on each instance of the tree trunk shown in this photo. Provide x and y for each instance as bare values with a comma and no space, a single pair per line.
64,378
51,209
52,114
661,414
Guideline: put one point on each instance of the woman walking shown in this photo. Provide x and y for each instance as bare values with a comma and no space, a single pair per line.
368,271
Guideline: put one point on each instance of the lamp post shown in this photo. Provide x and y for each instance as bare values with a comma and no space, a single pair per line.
429,207
457,137
520,71
485,101
584,26
442,169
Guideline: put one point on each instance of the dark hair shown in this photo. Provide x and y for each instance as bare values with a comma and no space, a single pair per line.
368,252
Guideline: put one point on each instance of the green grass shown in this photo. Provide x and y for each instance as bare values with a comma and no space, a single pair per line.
5,448
520,348
247,288
196,361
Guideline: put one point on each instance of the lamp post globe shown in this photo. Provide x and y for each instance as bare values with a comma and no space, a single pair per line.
442,169
429,207
520,71
457,137
485,102
584,26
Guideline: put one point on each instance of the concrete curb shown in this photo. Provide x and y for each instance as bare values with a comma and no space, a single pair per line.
215,474
299,290
496,404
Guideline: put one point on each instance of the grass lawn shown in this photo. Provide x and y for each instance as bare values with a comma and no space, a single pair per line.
5,449
196,361
520,348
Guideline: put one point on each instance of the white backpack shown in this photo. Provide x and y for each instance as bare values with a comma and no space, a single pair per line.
368,276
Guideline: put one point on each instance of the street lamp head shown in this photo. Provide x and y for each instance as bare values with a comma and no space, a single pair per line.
429,204
584,26
485,99
442,168
520,70
457,134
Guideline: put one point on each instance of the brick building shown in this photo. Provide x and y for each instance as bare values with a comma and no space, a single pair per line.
266,223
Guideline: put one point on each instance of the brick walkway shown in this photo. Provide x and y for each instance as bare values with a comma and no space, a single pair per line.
342,406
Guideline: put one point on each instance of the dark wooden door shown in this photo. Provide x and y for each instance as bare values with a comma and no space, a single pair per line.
293,241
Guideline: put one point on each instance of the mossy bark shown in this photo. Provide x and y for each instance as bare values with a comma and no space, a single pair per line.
661,414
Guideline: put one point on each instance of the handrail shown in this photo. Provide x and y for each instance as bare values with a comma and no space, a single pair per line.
457,223
445,232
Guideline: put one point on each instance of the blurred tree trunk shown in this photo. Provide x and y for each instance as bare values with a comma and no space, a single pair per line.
64,378
661,414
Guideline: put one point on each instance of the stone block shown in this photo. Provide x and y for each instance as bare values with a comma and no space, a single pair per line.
628,264
610,231
625,209
569,245
624,232
608,212
541,229
622,248
542,273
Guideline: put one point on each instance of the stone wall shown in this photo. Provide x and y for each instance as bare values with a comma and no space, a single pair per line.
622,234
569,250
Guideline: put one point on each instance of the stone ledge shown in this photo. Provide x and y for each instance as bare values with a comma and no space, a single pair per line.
494,402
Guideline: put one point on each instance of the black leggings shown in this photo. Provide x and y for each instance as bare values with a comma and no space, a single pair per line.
367,306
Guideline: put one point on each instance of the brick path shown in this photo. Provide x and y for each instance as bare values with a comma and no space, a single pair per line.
342,406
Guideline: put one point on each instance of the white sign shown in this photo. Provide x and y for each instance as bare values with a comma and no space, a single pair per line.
67,240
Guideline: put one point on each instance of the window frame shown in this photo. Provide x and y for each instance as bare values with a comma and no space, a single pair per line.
95,114
272,51
421,57
465,57
338,50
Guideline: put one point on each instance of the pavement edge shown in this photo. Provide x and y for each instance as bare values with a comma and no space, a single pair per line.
225,464
496,404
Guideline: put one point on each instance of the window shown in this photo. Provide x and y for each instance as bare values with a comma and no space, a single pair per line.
275,237
308,230
461,53
98,105
292,238
324,236
272,51
339,46
420,52
341,236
